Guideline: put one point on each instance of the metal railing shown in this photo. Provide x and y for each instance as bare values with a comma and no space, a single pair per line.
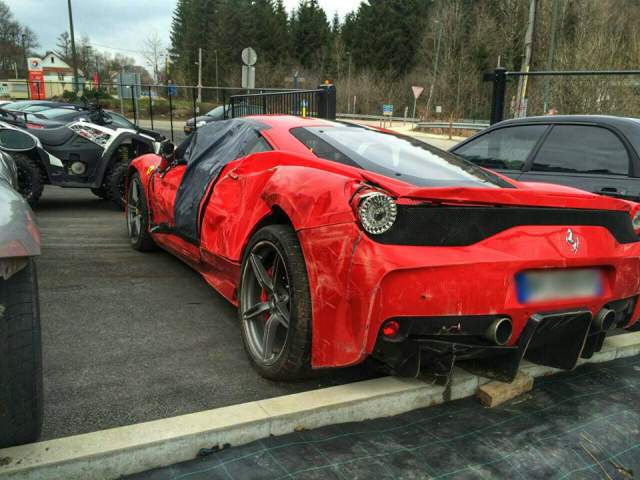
162,107
318,103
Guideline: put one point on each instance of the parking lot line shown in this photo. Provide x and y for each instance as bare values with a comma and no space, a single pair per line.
135,448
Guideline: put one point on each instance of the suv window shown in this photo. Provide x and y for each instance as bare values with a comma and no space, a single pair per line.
582,149
505,148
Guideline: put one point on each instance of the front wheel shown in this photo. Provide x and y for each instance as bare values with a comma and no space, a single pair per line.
138,216
30,179
275,305
115,181
21,404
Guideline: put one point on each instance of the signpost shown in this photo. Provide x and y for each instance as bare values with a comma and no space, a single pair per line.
36,80
387,109
417,91
249,59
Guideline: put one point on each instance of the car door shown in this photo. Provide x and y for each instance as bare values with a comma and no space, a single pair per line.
505,150
226,207
588,157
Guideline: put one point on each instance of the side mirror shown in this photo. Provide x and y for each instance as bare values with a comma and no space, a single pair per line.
16,140
167,152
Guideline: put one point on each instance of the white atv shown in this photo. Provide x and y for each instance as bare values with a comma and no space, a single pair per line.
83,154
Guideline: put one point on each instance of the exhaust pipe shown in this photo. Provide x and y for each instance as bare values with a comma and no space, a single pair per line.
605,319
500,330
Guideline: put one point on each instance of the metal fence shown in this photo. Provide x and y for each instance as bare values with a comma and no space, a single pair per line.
164,108
500,76
319,103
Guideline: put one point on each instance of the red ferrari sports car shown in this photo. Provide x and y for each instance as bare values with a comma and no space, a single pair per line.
339,243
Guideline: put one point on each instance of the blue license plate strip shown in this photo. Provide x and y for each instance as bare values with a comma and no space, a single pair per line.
560,284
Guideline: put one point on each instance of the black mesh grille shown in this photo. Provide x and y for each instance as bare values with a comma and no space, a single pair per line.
460,226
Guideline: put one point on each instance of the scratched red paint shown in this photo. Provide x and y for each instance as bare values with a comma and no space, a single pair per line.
357,283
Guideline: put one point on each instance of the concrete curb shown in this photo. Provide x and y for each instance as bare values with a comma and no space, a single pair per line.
125,450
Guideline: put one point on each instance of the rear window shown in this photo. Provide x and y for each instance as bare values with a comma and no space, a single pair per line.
395,156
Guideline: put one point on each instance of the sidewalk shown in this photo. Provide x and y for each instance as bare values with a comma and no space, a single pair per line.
580,425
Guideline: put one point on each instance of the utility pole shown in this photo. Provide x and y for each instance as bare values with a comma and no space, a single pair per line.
552,52
24,54
73,50
528,47
199,77
435,67
349,84
217,83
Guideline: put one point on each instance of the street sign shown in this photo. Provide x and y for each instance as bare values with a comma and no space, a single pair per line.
172,90
417,91
438,108
249,56
387,109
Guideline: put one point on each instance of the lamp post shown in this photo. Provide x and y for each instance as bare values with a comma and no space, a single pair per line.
349,83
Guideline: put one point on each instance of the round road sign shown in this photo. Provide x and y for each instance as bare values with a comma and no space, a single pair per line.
249,56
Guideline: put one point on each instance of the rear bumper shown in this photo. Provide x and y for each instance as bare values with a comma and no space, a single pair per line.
555,339
361,283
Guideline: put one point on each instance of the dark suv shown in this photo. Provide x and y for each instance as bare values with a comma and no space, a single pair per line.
591,152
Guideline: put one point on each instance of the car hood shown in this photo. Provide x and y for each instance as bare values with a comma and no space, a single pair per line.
522,194
203,118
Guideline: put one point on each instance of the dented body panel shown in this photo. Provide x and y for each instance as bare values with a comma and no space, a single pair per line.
358,282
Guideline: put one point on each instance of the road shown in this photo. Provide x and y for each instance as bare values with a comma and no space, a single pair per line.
130,337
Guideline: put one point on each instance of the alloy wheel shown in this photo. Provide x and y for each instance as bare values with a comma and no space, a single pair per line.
265,302
134,211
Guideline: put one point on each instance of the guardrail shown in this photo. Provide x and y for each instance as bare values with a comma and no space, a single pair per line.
453,125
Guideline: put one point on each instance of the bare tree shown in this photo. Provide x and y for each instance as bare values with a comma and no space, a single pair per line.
153,51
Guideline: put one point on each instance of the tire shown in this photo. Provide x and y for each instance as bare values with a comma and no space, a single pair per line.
100,193
21,398
137,216
289,294
115,182
30,178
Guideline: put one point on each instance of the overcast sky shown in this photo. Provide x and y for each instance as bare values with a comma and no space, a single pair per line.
117,25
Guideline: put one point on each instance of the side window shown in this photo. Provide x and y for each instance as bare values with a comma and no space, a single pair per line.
260,146
505,148
582,149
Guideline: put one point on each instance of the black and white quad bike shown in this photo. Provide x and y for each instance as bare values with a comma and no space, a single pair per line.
81,154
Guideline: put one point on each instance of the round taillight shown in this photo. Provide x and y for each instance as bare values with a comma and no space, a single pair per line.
377,212
390,328
635,221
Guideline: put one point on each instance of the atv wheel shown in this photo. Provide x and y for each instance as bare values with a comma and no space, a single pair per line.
275,306
30,181
100,193
138,217
115,180
20,359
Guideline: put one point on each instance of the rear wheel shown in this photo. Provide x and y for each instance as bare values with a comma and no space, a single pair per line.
138,216
115,182
30,181
275,305
21,403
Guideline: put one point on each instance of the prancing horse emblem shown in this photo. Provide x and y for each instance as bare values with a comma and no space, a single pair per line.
573,241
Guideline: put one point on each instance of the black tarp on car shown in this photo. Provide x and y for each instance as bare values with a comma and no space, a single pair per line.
206,152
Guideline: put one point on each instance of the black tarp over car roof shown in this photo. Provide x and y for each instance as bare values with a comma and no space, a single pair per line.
206,152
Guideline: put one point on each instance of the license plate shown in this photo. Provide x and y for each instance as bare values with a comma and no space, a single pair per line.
545,285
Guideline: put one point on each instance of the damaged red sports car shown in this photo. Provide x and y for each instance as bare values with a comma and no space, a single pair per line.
339,243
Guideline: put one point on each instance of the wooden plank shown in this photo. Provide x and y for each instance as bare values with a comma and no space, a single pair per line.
496,393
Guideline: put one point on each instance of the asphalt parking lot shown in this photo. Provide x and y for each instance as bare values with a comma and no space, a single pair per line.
130,337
